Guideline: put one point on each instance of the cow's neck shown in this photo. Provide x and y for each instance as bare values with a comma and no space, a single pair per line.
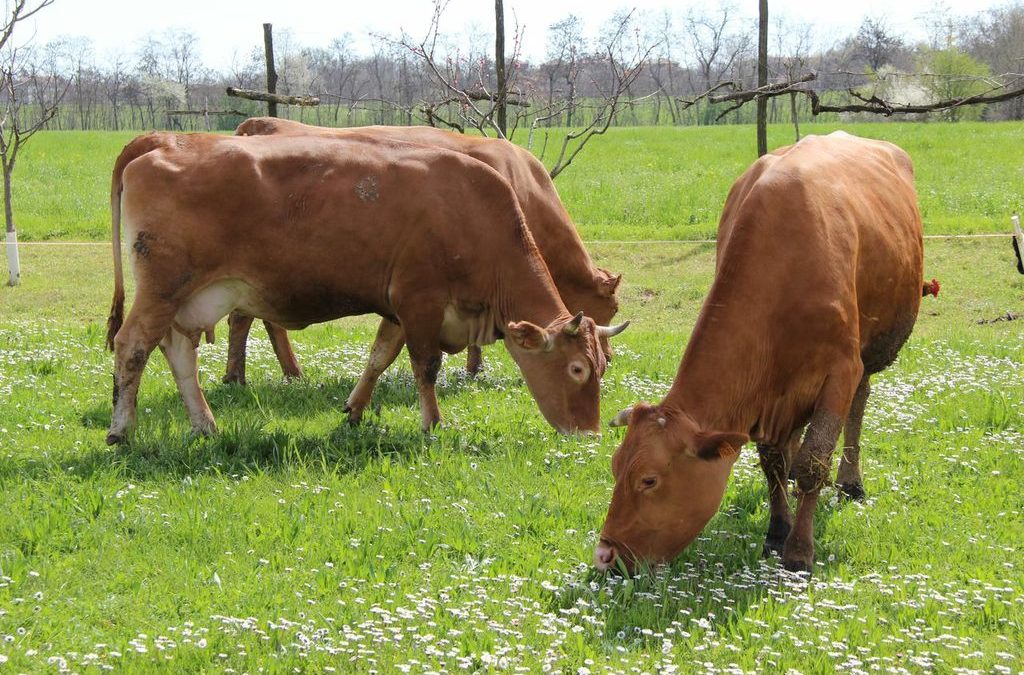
562,249
526,292
724,374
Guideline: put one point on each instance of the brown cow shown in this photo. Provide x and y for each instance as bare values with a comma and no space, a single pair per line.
319,229
583,286
817,286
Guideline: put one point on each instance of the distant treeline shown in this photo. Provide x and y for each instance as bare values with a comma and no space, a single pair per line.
164,85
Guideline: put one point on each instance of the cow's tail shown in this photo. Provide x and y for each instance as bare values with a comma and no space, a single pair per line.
930,288
133,150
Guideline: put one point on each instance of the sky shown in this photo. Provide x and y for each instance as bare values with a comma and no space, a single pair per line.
229,29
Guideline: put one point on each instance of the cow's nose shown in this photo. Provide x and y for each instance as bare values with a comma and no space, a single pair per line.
604,556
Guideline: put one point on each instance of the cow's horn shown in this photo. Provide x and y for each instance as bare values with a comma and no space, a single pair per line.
621,419
612,331
573,327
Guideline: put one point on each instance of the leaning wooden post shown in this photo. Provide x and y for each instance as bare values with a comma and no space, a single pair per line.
1018,242
268,48
762,79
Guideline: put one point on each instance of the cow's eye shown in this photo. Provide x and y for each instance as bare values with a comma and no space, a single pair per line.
648,483
577,371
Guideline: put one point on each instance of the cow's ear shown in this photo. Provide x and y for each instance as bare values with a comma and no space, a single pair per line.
719,444
607,282
529,336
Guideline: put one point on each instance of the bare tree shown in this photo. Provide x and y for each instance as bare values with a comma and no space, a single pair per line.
875,45
566,47
14,130
624,60
793,59
716,49
114,85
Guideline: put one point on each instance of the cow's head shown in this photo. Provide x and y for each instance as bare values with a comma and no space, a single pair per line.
562,364
669,480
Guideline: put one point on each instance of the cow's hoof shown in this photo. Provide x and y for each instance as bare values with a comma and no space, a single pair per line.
775,539
798,565
355,415
204,430
234,379
114,439
852,491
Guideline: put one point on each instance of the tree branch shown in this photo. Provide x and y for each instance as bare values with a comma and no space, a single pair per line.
272,98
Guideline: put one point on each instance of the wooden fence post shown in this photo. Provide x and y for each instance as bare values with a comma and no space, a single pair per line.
762,79
268,48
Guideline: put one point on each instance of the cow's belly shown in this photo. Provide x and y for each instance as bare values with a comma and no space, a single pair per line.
204,308
461,328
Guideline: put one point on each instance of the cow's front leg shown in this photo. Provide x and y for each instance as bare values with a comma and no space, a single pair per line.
474,360
422,338
775,462
283,350
386,347
814,463
238,334
426,364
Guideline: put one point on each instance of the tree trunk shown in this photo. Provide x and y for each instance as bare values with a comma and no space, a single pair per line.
499,65
268,48
762,78
13,261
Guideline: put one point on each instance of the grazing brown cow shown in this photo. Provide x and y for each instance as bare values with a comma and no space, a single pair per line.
817,286
303,230
583,286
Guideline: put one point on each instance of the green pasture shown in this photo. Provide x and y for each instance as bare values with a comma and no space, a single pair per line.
632,183
293,542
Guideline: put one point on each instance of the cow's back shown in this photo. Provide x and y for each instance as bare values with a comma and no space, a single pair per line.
831,227
547,218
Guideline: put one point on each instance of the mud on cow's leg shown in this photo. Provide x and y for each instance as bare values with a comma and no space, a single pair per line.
775,461
386,348
850,479
134,342
238,334
283,350
181,354
474,360
814,462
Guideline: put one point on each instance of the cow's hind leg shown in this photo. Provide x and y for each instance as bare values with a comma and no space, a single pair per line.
238,333
386,348
283,350
814,462
142,330
474,359
180,352
775,462
849,479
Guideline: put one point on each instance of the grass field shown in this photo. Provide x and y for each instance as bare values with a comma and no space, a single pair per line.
294,542
642,183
